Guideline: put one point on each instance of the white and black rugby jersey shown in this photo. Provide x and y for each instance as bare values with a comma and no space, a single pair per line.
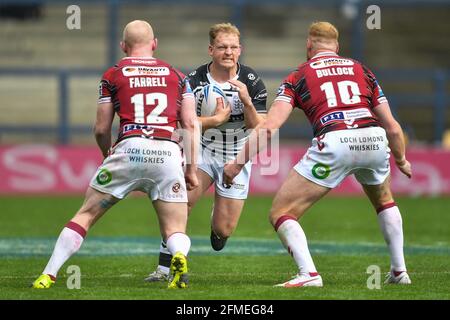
228,138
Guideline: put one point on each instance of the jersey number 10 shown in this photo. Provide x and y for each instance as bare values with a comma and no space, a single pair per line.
150,100
348,91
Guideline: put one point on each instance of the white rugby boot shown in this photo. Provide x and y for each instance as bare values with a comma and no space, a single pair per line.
157,276
400,278
303,280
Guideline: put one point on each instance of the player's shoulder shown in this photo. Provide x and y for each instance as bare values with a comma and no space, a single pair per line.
249,76
367,71
297,73
199,73
199,76
108,74
247,73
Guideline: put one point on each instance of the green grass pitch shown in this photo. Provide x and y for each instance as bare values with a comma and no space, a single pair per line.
122,249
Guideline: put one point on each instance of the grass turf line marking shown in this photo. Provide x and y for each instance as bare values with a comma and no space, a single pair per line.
140,246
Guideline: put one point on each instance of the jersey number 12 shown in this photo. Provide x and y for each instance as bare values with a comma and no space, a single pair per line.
150,100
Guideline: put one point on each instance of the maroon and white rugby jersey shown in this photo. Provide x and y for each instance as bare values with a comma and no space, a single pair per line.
336,93
146,94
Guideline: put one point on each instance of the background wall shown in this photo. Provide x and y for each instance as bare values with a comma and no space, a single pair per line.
49,74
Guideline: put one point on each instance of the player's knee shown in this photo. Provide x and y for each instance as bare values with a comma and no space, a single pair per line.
382,201
274,215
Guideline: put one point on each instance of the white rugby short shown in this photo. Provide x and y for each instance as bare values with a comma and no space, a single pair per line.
213,166
140,164
337,154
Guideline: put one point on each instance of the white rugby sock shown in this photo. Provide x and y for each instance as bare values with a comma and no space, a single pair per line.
294,240
164,258
69,242
178,242
390,221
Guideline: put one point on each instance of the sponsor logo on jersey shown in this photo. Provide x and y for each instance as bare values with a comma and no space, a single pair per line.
348,116
321,171
281,89
144,61
262,95
331,62
145,71
238,186
338,115
104,177
251,76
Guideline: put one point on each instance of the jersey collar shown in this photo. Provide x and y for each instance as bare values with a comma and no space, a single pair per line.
138,58
325,54
209,76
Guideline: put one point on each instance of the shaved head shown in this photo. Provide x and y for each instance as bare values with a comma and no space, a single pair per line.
137,33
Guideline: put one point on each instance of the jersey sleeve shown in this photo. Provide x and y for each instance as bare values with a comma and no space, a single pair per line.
184,86
377,95
195,77
106,87
286,91
186,90
258,93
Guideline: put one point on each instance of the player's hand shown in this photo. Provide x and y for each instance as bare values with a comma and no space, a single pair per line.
405,167
230,171
222,112
191,180
241,88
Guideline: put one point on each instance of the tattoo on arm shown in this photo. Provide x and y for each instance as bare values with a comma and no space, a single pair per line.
106,204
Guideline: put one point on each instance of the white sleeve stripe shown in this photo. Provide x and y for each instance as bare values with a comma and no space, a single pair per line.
283,98
104,100
188,95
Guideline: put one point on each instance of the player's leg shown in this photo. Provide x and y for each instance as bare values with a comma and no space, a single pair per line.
71,237
172,218
294,197
225,217
375,179
204,182
162,272
228,203
390,221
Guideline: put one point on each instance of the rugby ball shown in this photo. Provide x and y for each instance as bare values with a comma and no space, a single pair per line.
210,93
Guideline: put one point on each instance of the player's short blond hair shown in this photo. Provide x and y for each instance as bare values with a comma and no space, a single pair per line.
322,31
222,27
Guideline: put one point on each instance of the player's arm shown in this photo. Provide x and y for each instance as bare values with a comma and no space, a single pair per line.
251,117
103,124
395,136
191,136
258,139
263,133
221,115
